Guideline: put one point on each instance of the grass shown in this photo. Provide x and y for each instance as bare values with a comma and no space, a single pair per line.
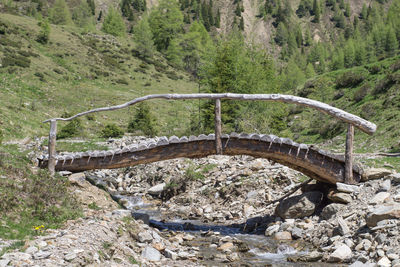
31,201
382,162
75,78
15,245
78,146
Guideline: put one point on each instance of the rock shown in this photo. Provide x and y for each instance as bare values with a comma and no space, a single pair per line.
233,257
144,237
41,255
226,246
396,263
156,190
299,206
272,230
31,250
379,198
283,236
151,254
170,254
77,179
395,177
4,262
393,256
383,212
375,173
343,228
384,262
341,254
347,188
381,238
70,256
251,195
339,197
313,256
330,210
386,185
297,233
362,264
145,218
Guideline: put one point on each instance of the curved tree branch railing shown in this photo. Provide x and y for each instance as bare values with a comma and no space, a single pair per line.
352,120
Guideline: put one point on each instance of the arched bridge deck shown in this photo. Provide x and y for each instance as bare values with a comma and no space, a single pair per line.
315,163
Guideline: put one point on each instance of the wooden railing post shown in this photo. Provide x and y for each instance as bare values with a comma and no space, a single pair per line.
348,175
52,146
217,121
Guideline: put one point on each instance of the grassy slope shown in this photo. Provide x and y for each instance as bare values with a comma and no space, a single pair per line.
75,73
381,108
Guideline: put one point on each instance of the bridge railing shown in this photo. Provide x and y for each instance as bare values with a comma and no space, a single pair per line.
350,119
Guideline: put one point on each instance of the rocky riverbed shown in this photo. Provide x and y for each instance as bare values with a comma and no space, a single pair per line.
217,211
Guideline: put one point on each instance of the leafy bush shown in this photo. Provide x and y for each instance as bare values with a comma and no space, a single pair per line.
72,129
361,93
44,34
16,60
143,120
349,79
395,66
384,85
112,131
375,69
331,129
368,111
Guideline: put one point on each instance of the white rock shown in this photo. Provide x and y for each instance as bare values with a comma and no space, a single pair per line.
271,230
379,198
342,253
170,254
393,256
384,262
347,188
42,255
157,189
31,250
144,237
4,263
151,254
386,185
343,228
70,256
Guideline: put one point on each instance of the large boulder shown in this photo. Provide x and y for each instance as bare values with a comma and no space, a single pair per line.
375,173
299,206
341,254
383,212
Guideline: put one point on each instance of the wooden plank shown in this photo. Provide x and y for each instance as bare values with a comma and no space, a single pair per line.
349,155
309,161
52,146
217,121
358,122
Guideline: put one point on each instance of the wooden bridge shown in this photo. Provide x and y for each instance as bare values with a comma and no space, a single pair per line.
313,162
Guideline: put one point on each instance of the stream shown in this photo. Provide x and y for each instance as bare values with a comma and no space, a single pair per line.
255,249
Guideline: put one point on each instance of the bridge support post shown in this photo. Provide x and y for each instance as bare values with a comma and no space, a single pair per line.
348,175
217,121
52,147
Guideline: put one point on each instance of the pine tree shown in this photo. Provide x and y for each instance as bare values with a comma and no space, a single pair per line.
126,10
282,34
316,11
113,23
82,16
165,22
143,121
59,13
392,44
364,12
144,38
241,24
349,54
44,34
299,36
174,52
310,72
308,39
238,10
347,10
218,20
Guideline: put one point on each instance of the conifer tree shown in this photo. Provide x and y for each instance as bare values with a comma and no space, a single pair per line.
82,16
143,121
347,10
218,19
92,6
113,23
307,37
316,11
59,13
166,22
364,12
44,34
144,38
391,41
241,24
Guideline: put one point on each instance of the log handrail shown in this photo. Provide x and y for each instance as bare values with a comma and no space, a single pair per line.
360,123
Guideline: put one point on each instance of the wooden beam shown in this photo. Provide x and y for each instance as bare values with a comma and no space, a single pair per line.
52,146
349,155
358,122
217,121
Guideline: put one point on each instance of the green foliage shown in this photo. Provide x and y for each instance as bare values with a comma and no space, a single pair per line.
143,121
166,22
72,129
316,11
111,131
59,13
92,6
113,23
349,79
144,38
82,16
304,9
1,136
44,34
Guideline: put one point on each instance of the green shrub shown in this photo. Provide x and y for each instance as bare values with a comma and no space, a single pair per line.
44,34
361,93
395,66
331,129
114,24
368,111
384,85
349,79
112,131
143,121
72,129
16,60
